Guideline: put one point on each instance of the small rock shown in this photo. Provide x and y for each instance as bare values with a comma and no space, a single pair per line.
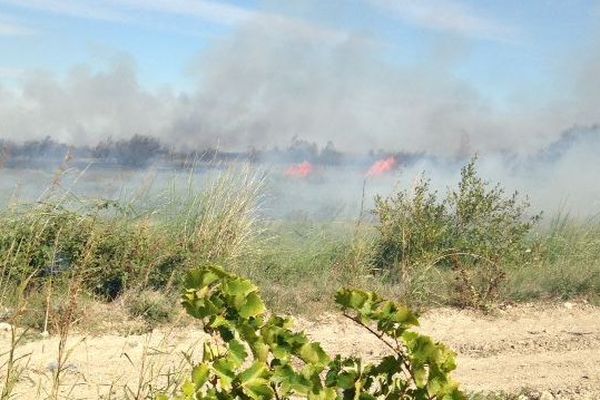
568,305
534,395
546,396
5,327
523,397
45,334
72,368
52,366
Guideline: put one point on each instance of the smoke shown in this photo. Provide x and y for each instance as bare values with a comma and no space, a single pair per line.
85,106
260,86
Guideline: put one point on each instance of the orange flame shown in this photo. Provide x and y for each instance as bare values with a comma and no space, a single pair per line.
382,166
300,170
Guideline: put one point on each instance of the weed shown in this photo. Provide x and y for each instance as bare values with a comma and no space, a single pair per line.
475,231
153,306
256,356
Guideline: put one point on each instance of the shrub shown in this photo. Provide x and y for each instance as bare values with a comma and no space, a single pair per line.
50,242
475,231
111,246
154,307
256,356
413,227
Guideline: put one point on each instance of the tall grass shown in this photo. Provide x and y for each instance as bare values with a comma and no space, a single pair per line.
111,246
221,222
566,262
61,251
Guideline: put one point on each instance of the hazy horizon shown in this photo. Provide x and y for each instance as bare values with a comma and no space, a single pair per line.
511,81
432,76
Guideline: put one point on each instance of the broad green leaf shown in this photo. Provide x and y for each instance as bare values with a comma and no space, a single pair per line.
188,389
226,372
252,306
200,375
209,352
281,352
291,381
324,394
421,375
237,353
346,380
255,371
258,389
358,299
367,396
422,349
260,350
312,353
239,287
445,358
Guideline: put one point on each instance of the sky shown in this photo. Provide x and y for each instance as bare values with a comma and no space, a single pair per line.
428,75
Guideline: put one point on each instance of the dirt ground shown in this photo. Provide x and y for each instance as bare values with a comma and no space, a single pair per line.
552,350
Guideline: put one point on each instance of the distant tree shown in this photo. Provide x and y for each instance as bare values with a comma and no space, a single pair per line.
5,151
330,155
302,150
38,149
138,151
104,149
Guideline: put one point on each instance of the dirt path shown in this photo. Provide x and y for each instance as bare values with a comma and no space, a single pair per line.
543,348
550,348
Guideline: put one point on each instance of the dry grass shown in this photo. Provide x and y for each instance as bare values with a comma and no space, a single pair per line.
71,266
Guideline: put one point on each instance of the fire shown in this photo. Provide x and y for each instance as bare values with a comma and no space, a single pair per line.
300,170
382,166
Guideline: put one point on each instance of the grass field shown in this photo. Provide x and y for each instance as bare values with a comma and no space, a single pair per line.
148,237
64,256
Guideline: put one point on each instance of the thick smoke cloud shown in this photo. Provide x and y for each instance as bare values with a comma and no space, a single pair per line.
85,106
260,87
256,88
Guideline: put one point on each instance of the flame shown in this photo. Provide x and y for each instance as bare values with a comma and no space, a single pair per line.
382,166
300,170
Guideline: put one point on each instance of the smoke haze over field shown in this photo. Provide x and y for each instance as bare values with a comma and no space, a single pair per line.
259,92
272,77
442,78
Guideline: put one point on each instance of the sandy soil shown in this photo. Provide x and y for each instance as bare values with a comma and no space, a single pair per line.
548,349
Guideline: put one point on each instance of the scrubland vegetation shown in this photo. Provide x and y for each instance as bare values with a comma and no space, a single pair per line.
475,246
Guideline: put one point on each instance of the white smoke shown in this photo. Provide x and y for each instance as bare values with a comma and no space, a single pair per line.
260,86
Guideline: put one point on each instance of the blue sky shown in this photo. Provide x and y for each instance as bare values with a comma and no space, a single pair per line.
494,50
506,43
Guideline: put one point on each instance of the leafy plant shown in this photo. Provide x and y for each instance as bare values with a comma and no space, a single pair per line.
253,355
475,231
414,227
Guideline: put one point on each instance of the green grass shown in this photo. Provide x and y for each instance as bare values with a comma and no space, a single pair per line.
105,248
565,262
145,243
68,262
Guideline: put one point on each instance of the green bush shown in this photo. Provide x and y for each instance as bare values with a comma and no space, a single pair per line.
253,355
476,231
110,246
47,241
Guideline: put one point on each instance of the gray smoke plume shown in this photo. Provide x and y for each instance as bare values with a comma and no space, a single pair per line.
270,80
